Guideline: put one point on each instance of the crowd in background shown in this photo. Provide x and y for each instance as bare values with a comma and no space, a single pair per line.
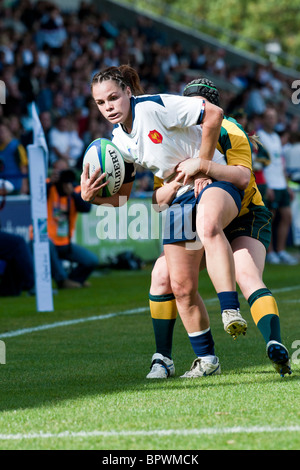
49,56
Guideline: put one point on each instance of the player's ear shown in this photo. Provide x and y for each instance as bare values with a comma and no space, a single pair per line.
129,93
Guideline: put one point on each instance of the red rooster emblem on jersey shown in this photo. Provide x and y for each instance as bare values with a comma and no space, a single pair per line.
155,136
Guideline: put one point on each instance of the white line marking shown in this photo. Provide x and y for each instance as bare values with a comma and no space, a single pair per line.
285,289
24,331
49,326
154,432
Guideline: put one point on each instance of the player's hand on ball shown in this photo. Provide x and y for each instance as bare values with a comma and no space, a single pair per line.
90,186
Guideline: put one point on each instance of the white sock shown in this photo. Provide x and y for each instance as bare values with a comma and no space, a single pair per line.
209,358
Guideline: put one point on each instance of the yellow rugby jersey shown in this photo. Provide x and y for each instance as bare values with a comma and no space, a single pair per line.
234,144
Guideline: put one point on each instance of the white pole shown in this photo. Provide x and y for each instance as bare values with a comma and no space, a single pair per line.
38,157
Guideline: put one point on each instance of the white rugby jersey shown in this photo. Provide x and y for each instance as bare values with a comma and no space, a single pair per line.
274,172
165,132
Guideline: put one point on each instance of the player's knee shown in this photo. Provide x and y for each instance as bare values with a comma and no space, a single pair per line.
209,229
160,279
183,290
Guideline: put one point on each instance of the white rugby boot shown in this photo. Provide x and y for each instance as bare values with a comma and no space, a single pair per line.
202,367
161,367
234,323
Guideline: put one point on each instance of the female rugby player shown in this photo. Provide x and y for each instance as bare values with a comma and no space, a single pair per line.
249,235
158,132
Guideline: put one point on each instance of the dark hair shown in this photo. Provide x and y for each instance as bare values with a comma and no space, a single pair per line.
124,75
203,87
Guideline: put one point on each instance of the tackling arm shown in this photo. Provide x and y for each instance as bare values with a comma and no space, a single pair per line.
238,175
211,127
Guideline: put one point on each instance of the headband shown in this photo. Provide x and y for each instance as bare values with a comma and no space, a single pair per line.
197,86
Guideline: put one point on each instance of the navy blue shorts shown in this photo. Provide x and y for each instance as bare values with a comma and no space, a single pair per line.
180,218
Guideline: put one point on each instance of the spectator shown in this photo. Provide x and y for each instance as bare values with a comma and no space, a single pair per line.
64,142
292,157
261,159
49,55
256,102
197,59
26,137
17,265
13,160
220,63
46,121
57,109
52,31
64,203
278,196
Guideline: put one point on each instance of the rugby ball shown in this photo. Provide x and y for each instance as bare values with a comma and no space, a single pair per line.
102,153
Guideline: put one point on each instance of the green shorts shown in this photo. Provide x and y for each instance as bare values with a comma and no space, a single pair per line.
256,224
282,198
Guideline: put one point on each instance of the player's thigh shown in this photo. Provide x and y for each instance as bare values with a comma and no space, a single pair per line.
249,259
216,210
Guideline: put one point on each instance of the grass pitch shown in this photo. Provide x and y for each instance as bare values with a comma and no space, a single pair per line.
82,385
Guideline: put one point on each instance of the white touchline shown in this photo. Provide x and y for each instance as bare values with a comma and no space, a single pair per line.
154,432
24,331
49,326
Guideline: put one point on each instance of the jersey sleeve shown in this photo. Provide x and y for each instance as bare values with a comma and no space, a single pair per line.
235,145
182,111
157,183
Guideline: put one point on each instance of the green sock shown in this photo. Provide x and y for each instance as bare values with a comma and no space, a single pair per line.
265,314
163,312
